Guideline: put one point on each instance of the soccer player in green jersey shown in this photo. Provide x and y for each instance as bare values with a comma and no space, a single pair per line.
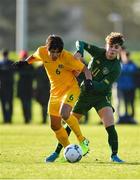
105,68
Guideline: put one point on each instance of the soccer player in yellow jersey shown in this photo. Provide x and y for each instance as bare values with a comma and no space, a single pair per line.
61,66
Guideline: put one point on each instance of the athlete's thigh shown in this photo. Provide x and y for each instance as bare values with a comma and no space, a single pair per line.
69,100
71,95
54,105
101,102
106,115
83,105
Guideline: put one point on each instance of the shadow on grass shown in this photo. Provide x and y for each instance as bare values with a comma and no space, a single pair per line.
111,163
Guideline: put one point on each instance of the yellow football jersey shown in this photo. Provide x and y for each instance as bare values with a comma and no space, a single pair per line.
60,72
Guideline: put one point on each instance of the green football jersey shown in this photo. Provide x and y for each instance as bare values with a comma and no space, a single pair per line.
104,71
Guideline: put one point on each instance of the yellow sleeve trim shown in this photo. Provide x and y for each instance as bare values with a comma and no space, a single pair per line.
106,81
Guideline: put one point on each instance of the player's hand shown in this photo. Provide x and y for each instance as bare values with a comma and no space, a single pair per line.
77,55
88,85
19,64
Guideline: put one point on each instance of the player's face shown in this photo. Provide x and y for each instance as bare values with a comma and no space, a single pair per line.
54,54
112,50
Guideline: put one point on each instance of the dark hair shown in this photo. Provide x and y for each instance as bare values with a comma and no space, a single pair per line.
115,38
5,52
54,42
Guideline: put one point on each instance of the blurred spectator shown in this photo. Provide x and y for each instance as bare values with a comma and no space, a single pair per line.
6,87
137,79
126,87
25,87
42,91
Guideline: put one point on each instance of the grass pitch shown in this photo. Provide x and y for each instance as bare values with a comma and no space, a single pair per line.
24,147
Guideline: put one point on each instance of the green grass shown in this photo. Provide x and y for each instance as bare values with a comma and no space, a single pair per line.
24,147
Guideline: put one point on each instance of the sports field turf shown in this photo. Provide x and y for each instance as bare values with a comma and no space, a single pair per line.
24,147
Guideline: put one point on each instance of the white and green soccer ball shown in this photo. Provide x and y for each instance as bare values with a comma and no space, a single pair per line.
73,153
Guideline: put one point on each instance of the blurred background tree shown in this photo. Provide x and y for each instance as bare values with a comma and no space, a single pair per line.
72,19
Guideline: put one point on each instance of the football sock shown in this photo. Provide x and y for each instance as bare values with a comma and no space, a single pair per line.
59,146
62,137
74,125
112,139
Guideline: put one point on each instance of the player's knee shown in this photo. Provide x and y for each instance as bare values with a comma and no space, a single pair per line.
65,115
65,111
55,127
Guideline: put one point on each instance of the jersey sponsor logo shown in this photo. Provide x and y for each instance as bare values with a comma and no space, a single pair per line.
105,70
97,61
60,66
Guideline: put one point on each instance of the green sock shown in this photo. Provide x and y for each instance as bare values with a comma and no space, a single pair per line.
112,139
59,146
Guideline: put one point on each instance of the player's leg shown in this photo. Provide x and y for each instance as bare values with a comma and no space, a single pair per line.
59,130
65,110
106,115
59,146
56,119
73,123
74,118
53,156
71,119
61,134
81,107
66,106
68,101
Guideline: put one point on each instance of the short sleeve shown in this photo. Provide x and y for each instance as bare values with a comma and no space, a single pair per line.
73,64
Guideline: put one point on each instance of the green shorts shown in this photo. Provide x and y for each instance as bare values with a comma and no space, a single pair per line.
86,102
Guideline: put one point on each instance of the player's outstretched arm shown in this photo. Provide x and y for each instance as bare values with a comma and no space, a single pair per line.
21,64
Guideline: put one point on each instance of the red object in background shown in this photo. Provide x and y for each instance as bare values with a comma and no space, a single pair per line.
23,54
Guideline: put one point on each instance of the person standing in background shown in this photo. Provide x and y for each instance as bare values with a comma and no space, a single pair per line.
6,87
42,91
25,87
126,87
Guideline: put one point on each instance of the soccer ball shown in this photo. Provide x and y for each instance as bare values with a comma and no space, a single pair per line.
73,153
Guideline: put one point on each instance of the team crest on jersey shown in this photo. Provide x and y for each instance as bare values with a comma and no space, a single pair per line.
60,66
97,61
105,70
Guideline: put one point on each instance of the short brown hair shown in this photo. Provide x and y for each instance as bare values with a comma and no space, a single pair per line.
115,38
55,42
